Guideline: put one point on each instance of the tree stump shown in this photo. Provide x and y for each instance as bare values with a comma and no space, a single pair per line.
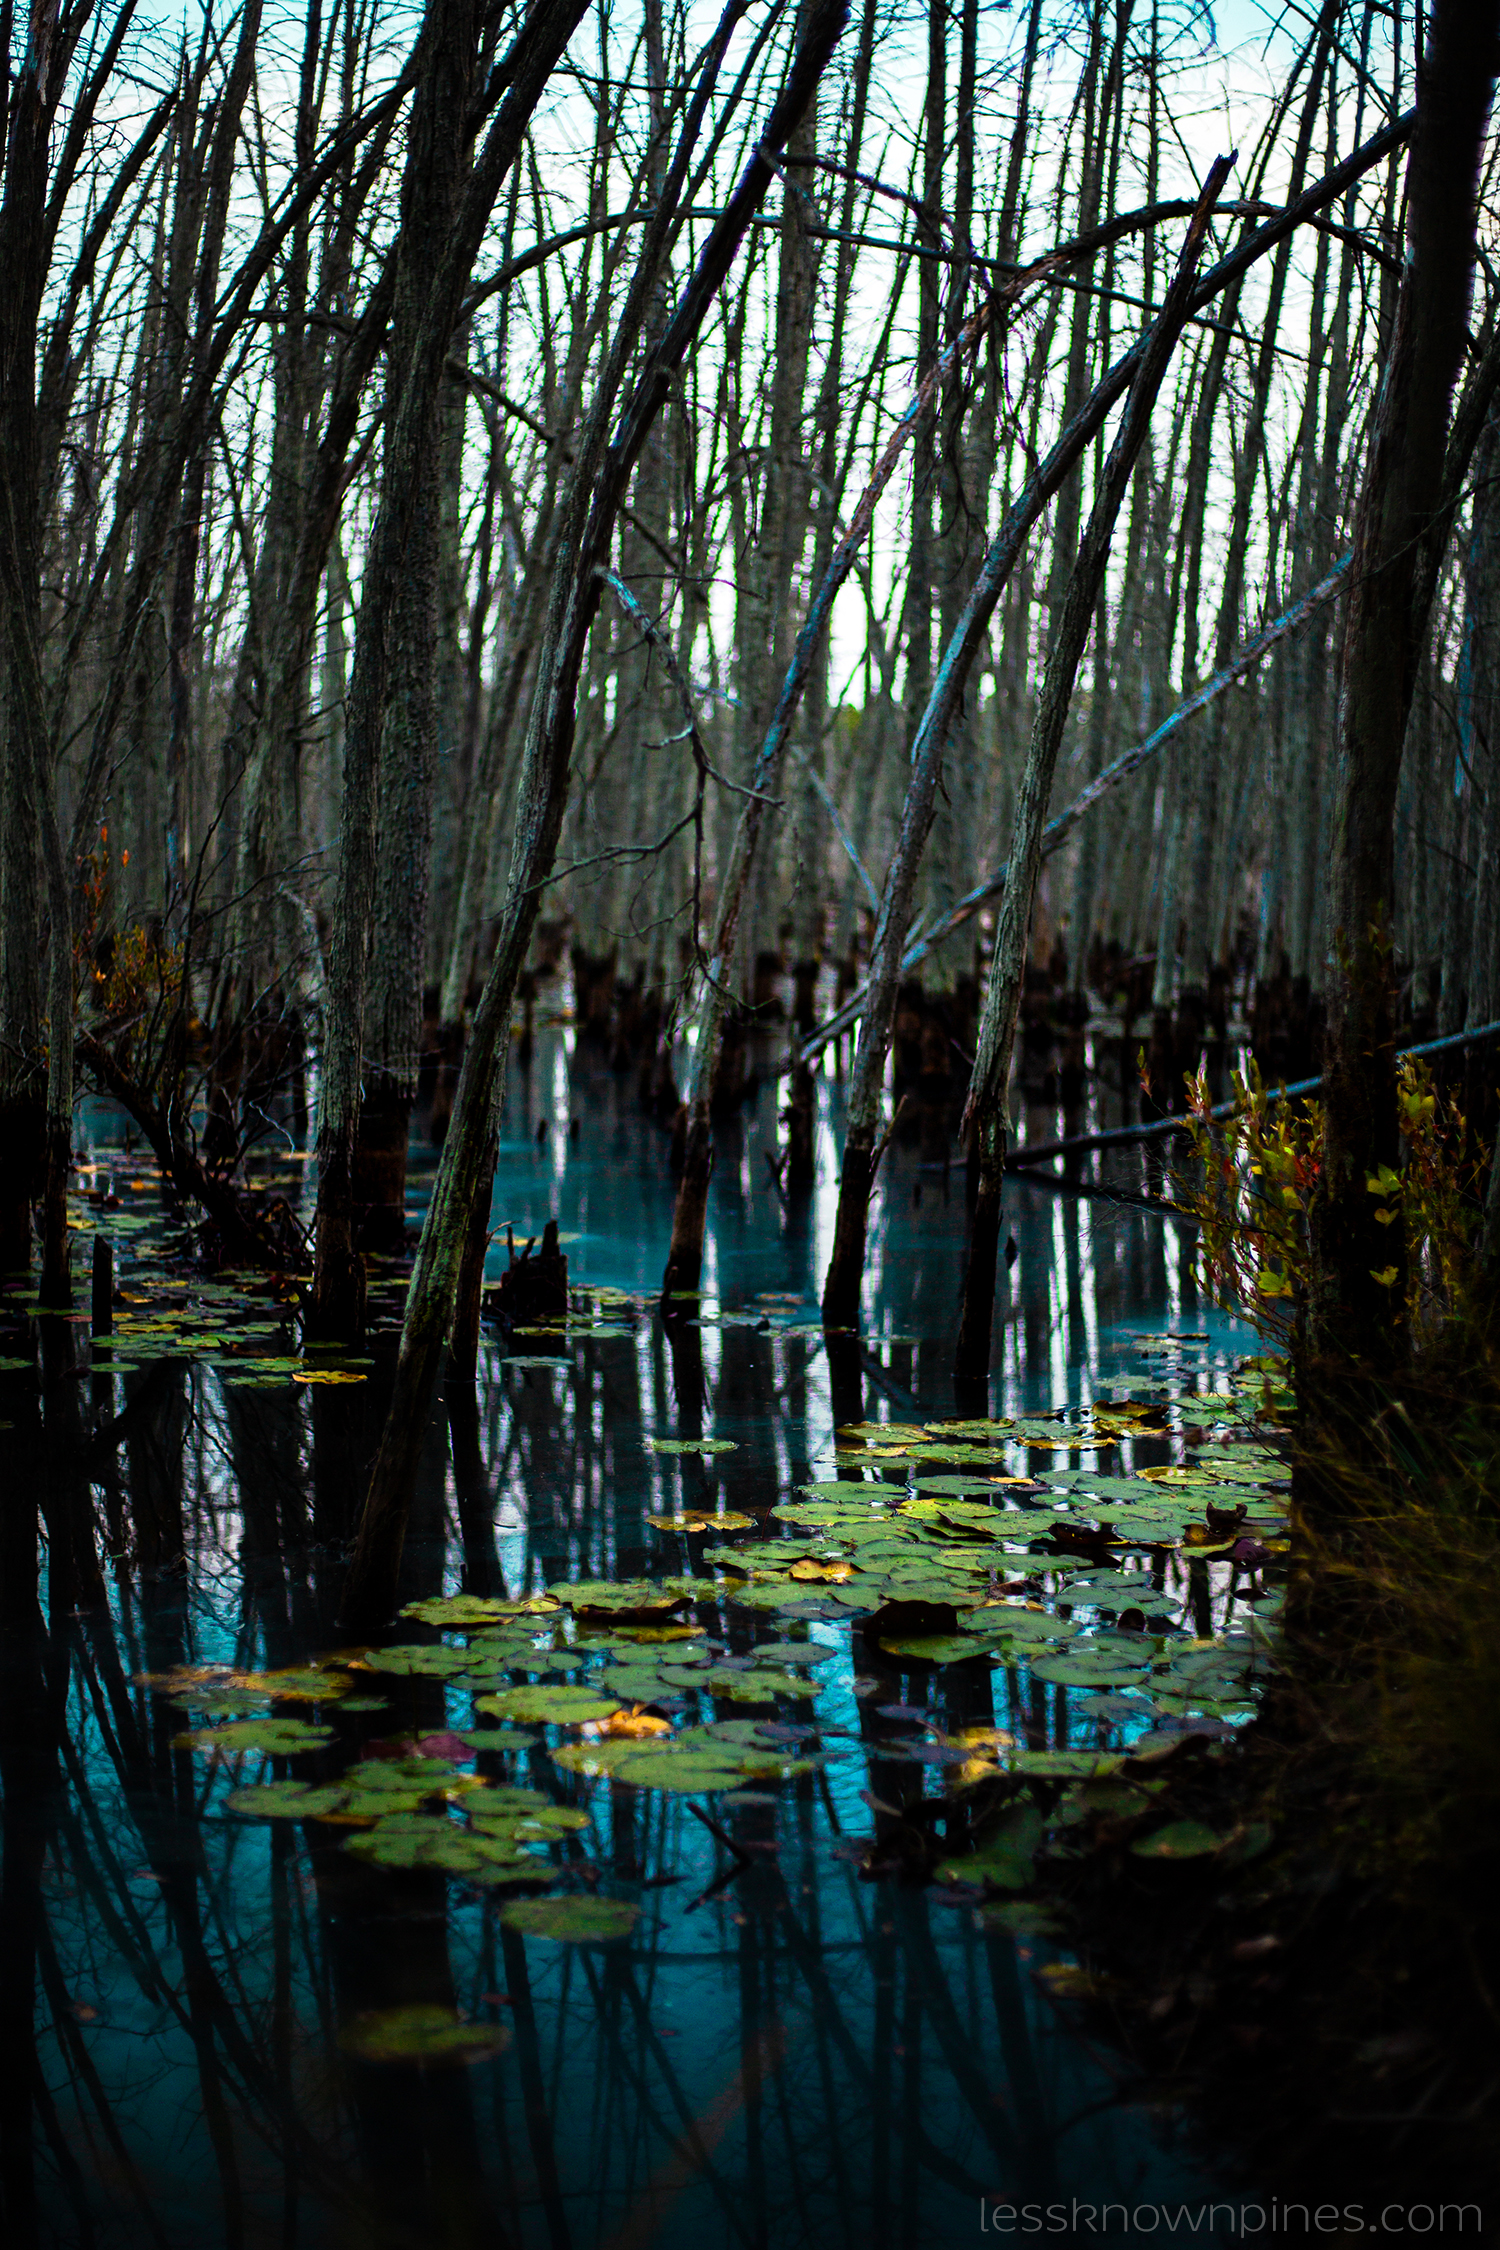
534,1287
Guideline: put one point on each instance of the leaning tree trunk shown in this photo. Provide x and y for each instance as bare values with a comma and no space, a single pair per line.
36,1125
443,102
1358,1308
985,1112
601,476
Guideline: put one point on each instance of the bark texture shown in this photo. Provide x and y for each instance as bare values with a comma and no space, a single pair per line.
1358,1310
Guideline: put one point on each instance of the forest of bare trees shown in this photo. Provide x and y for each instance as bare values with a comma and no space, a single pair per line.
792,535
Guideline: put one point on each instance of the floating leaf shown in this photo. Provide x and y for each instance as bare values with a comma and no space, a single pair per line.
936,1648
574,1920
757,1685
419,1660
1075,1667
1019,1917
1180,1839
691,1445
286,1800
428,2035
458,1609
642,1597
431,1840
1060,1765
328,1375
299,1683
274,1738
548,1706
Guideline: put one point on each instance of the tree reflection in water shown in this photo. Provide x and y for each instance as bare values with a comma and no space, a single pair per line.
781,2054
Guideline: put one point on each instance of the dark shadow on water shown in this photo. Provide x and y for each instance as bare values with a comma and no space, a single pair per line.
782,2055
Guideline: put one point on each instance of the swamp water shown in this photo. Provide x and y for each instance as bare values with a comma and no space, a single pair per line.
554,1922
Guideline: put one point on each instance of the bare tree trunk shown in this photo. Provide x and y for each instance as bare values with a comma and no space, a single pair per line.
337,1301
1359,1292
600,479
37,1128
985,1113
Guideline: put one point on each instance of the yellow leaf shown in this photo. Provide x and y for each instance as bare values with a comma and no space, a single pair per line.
631,1726
833,1573
1385,1276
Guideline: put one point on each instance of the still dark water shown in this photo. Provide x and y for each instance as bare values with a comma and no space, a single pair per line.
781,2053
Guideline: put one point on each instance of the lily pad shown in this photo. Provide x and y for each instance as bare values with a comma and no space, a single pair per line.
936,1648
573,1920
458,1610
273,1738
431,1840
564,1706
1076,1667
419,1661
286,1800
691,1445
427,2035
1180,1839
1000,1622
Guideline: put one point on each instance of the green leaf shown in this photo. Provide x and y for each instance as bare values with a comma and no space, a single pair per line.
691,1445
431,1840
936,1648
756,1686
274,1738
429,2035
548,1706
1060,1765
573,1920
643,1596
419,1661
1077,1668
1180,1839
459,1609
286,1800
999,1621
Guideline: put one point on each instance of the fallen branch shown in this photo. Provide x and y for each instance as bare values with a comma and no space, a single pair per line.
1122,1136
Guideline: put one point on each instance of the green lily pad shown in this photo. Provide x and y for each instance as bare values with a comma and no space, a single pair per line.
1076,1668
1019,1917
756,1686
1001,1622
286,1800
431,1840
635,1683
429,2035
273,1738
419,1661
860,1491
573,1920
1180,1839
1063,1765
641,1596
565,1706
458,1609
223,1703
936,1648
677,1445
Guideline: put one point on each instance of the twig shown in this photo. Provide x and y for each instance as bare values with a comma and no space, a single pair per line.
722,1834
1123,1135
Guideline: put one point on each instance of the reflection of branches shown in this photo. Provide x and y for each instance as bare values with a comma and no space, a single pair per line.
691,2134
70,2037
